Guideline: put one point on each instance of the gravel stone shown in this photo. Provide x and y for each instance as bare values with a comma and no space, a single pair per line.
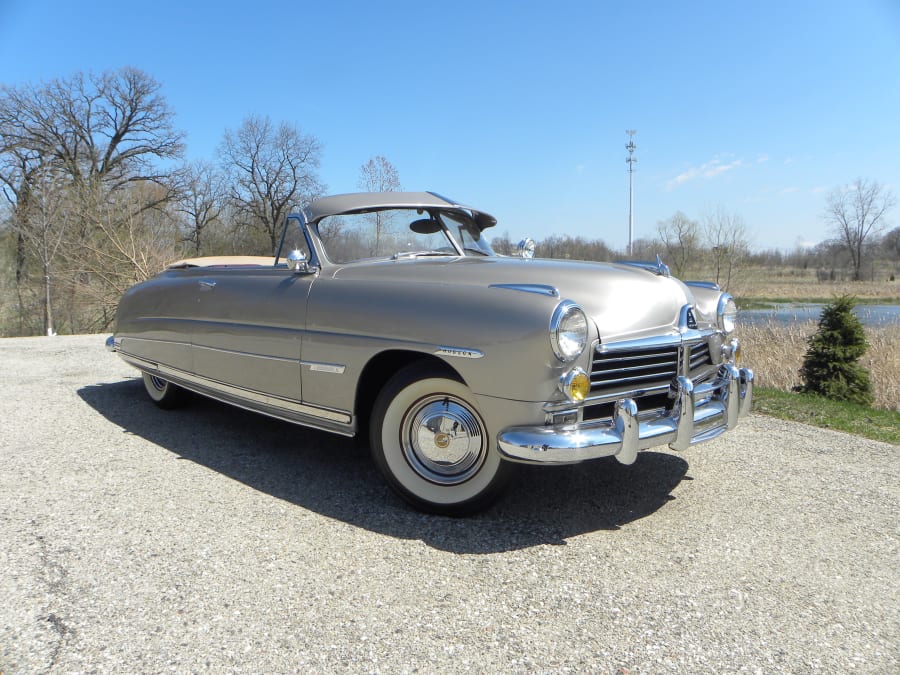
210,539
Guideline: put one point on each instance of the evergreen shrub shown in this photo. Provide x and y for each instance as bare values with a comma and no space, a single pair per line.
831,365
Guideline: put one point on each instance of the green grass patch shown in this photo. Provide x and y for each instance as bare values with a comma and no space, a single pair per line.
879,425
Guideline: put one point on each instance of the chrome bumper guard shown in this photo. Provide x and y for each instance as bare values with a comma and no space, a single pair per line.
700,413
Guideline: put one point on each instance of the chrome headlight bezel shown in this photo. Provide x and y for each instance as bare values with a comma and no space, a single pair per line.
726,314
568,331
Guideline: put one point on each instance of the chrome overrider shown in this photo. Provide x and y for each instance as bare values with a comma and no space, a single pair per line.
699,412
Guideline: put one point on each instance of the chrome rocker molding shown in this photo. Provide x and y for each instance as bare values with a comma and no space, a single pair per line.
700,413
336,421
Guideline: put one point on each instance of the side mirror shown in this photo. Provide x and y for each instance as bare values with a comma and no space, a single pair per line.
525,249
297,263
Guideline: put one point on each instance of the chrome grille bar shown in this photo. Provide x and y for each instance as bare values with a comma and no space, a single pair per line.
638,367
700,355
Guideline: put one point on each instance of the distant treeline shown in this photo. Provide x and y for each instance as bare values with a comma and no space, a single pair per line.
829,260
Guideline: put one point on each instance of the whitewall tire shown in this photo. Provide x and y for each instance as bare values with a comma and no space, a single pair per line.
163,393
432,445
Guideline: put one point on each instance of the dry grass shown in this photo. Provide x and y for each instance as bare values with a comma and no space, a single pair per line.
775,353
790,284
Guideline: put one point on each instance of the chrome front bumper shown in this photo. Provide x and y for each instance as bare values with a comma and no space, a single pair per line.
700,413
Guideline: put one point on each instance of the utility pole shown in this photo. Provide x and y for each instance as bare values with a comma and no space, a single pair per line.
631,159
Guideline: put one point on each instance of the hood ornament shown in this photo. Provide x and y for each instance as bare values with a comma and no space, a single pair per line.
659,267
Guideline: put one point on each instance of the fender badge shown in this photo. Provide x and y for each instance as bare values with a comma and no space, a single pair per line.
459,352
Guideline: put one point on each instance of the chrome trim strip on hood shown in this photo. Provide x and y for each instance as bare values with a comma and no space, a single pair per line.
540,289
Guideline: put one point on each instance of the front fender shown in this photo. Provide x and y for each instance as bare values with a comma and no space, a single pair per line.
497,339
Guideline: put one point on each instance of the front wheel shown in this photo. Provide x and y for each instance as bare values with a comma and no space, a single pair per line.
163,393
431,444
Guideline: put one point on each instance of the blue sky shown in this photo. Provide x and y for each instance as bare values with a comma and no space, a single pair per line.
520,108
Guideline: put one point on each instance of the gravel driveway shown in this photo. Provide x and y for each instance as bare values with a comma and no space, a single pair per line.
213,540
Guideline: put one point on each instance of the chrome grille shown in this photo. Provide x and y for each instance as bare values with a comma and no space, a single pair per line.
634,369
699,356
643,374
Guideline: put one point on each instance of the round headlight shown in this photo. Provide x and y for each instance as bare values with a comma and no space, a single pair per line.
568,331
726,314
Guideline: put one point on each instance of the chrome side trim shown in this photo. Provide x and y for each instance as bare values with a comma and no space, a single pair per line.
540,289
238,352
459,352
209,387
181,343
316,367
709,285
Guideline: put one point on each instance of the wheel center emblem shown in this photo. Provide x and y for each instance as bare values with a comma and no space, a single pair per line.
442,440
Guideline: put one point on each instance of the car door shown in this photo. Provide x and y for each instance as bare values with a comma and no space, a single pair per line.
248,330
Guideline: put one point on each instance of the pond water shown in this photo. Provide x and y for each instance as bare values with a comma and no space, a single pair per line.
786,313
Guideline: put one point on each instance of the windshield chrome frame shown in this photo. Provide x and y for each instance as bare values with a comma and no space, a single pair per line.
460,249
305,219
437,213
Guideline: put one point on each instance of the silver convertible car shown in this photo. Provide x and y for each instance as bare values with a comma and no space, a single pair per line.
387,315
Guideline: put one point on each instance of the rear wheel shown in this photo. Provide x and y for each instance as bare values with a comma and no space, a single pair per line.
164,393
432,445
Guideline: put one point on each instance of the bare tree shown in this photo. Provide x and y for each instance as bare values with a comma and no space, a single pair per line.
112,127
856,213
201,202
680,237
890,244
19,168
127,246
378,175
97,135
41,227
503,244
725,235
272,170
646,249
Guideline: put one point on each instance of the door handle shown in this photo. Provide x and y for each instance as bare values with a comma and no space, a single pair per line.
207,285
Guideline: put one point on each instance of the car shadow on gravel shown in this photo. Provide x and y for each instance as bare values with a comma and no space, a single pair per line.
331,475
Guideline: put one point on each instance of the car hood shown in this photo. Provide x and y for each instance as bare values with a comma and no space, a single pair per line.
626,302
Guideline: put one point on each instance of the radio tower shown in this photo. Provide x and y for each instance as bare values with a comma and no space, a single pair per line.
631,159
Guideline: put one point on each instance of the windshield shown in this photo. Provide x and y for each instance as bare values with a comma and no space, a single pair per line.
400,233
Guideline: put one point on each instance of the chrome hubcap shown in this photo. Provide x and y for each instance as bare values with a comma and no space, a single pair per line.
443,440
158,384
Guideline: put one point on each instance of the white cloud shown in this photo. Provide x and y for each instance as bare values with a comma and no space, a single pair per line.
682,178
711,169
762,159
716,168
